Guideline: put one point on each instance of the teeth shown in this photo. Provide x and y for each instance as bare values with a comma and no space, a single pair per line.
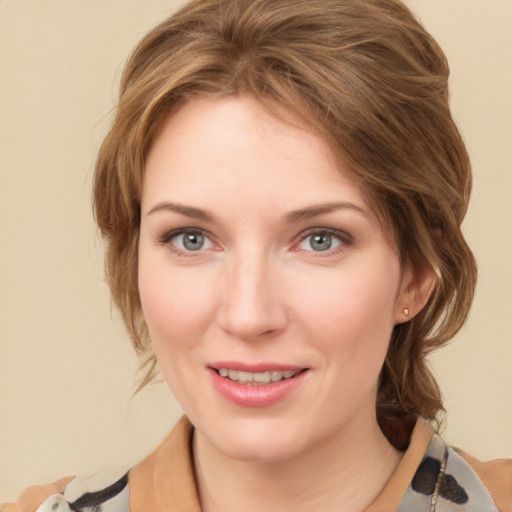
262,378
275,376
245,376
256,378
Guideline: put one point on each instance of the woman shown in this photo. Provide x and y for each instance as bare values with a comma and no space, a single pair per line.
281,196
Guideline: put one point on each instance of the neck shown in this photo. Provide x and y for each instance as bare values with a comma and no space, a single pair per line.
328,476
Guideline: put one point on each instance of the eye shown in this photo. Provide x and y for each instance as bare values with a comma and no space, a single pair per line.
190,241
322,241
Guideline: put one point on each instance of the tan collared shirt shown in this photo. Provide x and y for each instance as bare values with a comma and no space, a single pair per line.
430,477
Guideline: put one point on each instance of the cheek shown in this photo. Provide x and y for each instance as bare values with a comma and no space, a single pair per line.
178,309
177,305
352,312
350,322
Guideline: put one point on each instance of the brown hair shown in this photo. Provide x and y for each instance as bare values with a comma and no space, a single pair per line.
366,76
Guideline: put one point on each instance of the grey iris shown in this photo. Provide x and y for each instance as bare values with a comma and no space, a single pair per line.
321,242
193,241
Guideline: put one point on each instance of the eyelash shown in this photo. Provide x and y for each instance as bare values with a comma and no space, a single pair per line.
166,238
342,237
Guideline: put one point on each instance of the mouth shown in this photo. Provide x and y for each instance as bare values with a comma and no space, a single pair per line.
257,378
256,385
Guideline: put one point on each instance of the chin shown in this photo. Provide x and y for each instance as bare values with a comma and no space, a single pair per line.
260,450
257,441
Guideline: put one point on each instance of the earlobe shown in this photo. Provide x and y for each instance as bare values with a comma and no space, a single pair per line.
417,286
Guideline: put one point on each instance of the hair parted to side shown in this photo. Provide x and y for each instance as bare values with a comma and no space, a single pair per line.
369,79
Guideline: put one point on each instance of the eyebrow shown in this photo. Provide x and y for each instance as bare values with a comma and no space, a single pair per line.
321,209
291,217
188,211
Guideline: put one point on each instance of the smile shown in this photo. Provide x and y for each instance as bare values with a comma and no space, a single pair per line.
258,379
264,386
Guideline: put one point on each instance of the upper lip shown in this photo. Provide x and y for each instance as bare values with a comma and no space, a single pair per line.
255,367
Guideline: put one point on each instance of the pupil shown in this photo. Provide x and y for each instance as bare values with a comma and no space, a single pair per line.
193,242
321,242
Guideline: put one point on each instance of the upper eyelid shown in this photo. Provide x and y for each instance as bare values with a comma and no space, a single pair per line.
168,235
165,241
342,235
345,240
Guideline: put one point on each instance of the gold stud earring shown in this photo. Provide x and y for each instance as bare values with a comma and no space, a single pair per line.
406,311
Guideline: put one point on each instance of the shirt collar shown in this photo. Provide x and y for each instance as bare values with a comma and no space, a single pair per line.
165,480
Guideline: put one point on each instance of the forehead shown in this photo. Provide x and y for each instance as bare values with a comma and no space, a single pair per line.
230,151
236,139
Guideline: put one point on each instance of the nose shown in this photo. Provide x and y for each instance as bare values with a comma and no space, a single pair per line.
253,306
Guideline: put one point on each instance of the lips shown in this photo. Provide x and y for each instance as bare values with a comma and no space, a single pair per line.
257,378
259,385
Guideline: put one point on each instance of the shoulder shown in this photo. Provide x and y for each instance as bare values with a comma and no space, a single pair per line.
444,478
106,491
496,475
165,476
448,478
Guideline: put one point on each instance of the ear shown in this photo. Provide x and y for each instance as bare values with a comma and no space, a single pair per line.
416,287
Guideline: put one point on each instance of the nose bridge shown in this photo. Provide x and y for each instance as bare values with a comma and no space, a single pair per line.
253,305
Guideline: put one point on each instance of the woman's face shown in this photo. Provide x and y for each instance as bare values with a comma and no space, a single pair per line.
268,286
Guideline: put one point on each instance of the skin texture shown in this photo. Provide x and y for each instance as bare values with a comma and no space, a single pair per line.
259,291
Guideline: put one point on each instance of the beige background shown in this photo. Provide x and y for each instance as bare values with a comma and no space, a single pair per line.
66,369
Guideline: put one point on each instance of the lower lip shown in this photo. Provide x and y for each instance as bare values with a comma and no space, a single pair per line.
254,395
